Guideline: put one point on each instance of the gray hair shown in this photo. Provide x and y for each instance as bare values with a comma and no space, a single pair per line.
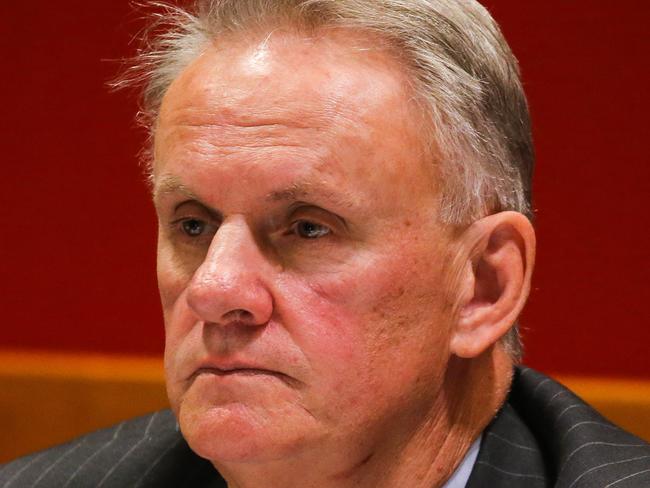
462,71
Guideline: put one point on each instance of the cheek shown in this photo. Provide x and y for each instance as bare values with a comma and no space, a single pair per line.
377,314
318,324
173,277
182,339
183,348
384,294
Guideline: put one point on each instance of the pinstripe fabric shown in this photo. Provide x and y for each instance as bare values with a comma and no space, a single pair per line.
510,456
543,437
144,452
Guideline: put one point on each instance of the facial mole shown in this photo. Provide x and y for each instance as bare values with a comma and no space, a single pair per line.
407,223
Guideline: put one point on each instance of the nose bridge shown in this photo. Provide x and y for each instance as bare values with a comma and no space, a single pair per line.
230,282
233,246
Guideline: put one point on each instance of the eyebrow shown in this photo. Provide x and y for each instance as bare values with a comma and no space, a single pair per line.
172,184
294,192
298,191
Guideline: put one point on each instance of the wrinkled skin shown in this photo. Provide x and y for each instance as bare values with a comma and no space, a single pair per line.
301,262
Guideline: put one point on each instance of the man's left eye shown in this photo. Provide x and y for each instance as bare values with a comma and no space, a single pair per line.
310,230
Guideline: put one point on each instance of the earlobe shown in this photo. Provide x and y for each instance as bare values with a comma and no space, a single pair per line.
495,282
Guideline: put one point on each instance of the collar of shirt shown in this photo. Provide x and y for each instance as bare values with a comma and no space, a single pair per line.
464,469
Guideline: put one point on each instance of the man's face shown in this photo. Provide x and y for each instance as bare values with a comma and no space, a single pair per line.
300,262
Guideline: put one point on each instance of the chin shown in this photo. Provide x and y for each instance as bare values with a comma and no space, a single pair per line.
238,433
227,433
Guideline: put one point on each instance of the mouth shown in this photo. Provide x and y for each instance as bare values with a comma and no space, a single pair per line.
234,371
244,371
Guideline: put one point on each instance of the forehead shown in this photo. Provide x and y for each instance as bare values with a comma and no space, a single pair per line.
289,95
287,75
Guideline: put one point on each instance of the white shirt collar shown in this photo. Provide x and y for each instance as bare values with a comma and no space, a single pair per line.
461,475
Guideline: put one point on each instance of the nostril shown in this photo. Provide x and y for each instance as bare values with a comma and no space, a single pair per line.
239,316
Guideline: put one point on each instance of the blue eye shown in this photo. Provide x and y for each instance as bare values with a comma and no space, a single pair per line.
310,230
193,227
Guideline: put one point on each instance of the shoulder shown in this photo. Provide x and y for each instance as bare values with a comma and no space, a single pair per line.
146,451
582,448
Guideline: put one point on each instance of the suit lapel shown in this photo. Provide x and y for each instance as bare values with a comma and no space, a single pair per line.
509,457
584,449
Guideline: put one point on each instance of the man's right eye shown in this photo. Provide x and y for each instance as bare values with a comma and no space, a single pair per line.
193,227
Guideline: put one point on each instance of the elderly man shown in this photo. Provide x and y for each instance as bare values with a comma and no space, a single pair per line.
343,195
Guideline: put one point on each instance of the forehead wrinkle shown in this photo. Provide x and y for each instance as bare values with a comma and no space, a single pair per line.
218,113
247,137
220,127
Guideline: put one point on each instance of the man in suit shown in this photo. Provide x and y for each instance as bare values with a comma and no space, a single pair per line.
343,195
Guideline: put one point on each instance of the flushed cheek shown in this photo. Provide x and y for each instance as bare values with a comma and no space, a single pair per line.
332,317
374,285
366,320
315,317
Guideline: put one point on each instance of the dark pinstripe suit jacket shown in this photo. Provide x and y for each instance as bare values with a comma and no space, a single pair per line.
544,436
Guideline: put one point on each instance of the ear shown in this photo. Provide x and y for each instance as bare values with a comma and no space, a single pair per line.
498,254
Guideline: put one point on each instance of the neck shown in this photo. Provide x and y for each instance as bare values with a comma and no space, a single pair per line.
422,454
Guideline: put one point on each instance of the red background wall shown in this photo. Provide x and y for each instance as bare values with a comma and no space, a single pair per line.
77,230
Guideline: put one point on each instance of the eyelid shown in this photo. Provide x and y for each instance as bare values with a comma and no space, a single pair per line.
200,208
174,223
185,218
317,224
296,209
179,205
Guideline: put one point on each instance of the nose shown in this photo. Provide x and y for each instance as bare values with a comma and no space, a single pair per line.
229,286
